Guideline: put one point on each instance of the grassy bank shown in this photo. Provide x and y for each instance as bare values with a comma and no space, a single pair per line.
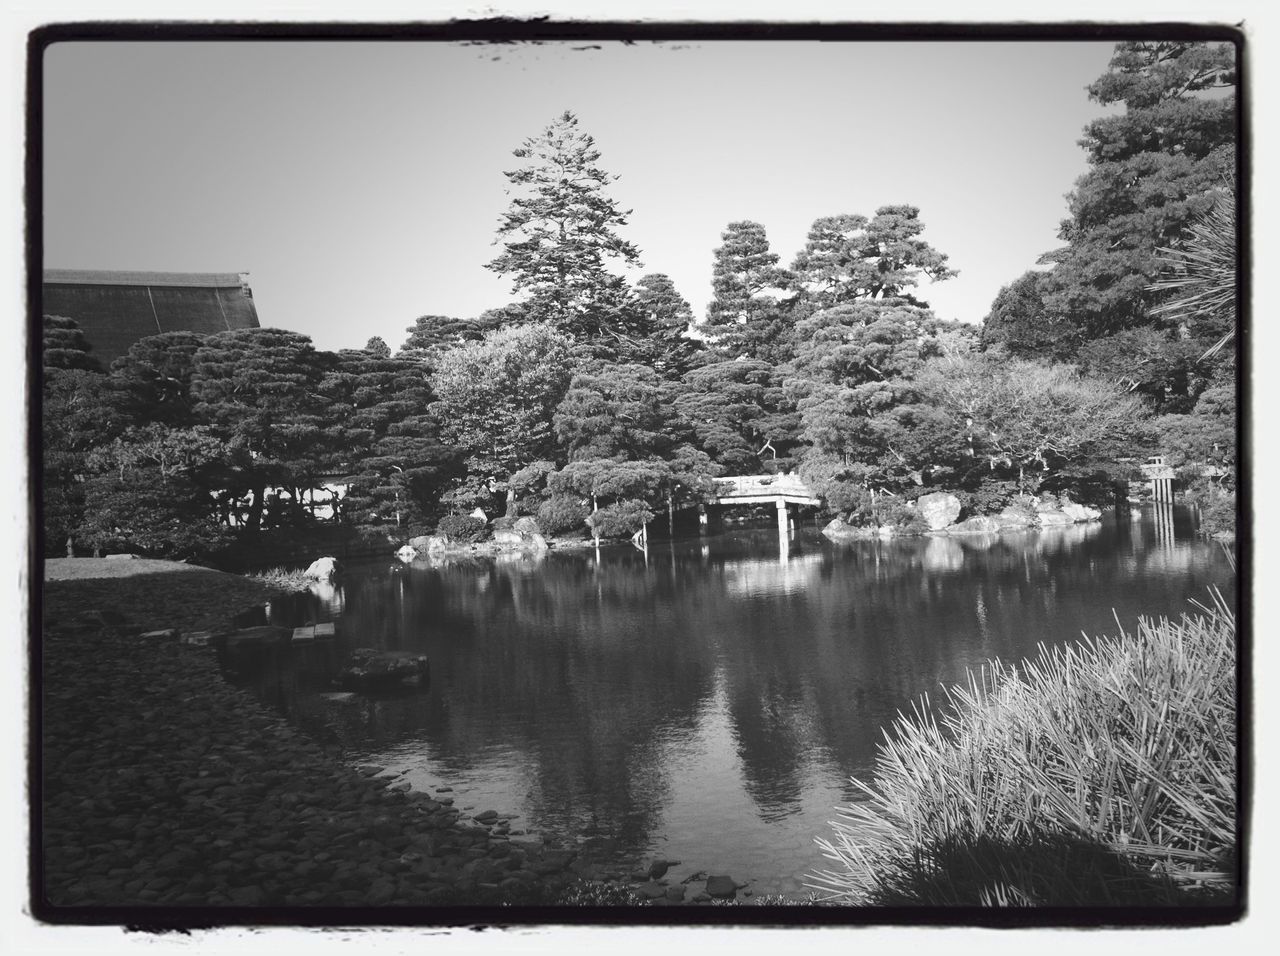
1096,774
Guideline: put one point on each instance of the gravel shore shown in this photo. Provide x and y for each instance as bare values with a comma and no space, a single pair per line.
164,785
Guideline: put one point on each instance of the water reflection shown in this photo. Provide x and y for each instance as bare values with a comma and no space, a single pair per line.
706,700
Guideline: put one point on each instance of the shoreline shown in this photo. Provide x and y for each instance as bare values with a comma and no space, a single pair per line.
165,785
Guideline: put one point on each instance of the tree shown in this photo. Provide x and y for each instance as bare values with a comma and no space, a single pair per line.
153,379
656,335
1017,414
1021,323
259,389
560,232
495,402
76,416
849,257
617,411
1153,169
743,317
619,421
378,347
389,442
64,345
1165,370
152,492
431,336
740,415
854,382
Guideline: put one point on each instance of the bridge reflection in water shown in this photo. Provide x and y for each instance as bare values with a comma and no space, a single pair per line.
786,492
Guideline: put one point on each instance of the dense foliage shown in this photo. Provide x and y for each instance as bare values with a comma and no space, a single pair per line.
595,404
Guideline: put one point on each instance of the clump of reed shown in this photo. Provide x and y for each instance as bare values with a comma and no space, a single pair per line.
1102,773
282,579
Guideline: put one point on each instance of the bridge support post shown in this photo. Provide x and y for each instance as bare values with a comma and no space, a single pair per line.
702,519
783,522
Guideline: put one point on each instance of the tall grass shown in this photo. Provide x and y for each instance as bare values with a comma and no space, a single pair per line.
282,579
1097,773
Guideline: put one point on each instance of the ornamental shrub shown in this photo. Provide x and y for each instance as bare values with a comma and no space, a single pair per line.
1097,773
462,528
562,514
621,519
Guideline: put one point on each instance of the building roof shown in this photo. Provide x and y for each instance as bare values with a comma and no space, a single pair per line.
116,309
188,280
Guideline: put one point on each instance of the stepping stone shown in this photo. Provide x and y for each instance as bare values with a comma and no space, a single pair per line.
168,632
265,634
324,630
721,886
198,638
304,633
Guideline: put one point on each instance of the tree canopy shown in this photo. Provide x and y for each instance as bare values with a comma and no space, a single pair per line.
560,233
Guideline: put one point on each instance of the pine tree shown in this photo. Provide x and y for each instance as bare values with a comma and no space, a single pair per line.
560,234
259,389
850,257
744,318
1153,169
64,345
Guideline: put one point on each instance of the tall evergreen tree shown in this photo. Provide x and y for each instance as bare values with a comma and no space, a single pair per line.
1153,169
850,257
744,317
560,233
388,445
260,390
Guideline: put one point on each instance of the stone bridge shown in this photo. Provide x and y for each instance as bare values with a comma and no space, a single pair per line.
763,489
783,491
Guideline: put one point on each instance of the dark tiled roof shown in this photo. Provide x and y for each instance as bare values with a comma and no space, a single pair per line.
189,280
116,309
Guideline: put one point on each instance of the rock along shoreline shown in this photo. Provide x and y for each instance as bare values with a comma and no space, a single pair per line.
163,784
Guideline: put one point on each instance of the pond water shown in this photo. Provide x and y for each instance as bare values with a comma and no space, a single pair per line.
709,701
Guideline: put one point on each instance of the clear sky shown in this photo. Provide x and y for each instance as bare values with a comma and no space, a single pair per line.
360,184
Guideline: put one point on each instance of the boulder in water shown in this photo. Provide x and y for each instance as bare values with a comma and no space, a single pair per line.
979,525
374,670
322,569
938,509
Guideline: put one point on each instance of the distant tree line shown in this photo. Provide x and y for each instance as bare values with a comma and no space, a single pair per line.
596,404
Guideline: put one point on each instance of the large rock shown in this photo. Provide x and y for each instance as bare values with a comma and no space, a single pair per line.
1053,519
374,670
837,530
508,539
1013,519
407,553
980,525
322,569
421,543
526,525
1080,512
479,513
536,542
938,509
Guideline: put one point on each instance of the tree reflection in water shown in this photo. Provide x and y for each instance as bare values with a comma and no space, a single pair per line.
705,701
